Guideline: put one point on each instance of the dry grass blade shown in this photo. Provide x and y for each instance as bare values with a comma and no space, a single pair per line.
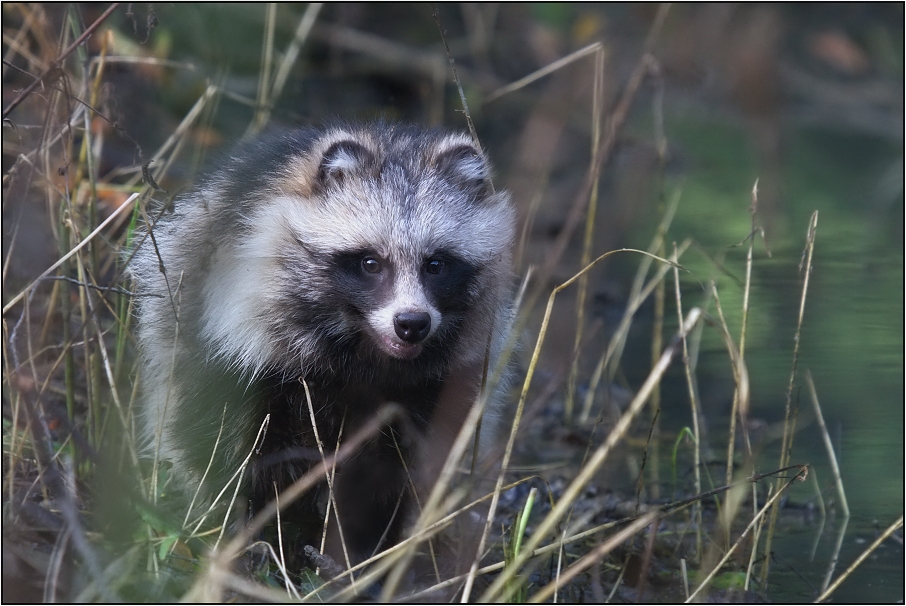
593,556
292,51
550,548
434,509
789,422
264,74
731,439
520,408
81,39
617,342
204,476
495,591
862,557
396,562
330,474
377,566
617,118
415,539
462,94
384,416
615,122
280,559
127,205
771,502
238,476
835,557
740,374
16,46
838,480
210,584
638,294
544,71
179,134
596,111
694,404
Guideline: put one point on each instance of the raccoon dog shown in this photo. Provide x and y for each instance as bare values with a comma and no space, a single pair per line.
372,262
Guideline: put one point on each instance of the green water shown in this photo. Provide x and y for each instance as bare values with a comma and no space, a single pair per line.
851,339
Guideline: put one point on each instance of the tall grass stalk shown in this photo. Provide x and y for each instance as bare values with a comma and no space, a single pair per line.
790,413
588,240
896,525
617,341
694,406
831,456
522,398
731,436
772,502
599,456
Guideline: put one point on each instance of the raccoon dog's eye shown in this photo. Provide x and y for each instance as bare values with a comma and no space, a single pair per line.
434,266
371,265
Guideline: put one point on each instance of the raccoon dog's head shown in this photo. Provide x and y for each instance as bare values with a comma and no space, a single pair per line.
374,249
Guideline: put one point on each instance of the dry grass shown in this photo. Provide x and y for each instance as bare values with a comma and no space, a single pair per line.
69,372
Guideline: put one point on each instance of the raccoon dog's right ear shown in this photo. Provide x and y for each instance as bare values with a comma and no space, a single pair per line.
342,159
465,166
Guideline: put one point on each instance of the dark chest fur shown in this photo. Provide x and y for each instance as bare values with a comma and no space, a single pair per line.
371,488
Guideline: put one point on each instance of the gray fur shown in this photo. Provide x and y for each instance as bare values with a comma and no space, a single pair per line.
305,255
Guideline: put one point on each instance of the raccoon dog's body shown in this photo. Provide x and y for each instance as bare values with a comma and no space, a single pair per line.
371,261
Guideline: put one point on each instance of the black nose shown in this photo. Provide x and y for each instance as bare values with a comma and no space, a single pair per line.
412,326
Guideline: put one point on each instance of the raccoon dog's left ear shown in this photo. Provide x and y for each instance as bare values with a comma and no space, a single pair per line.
466,167
342,159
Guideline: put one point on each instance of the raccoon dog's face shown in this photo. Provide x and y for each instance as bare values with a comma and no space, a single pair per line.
374,247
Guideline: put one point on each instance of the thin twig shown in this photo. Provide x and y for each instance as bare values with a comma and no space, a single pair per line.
56,64
125,206
462,94
617,118
544,71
